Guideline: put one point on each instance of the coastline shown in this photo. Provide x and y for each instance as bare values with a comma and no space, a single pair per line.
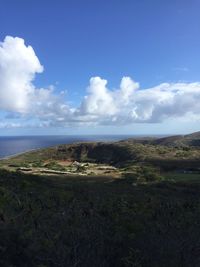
36,149
71,140
18,154
40,142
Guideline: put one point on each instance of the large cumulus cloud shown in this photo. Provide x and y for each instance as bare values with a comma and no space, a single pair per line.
129,103
18,66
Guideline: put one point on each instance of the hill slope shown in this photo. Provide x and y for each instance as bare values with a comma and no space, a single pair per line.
176,140
169,152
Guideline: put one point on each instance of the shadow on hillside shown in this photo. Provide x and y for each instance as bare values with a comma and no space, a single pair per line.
57,221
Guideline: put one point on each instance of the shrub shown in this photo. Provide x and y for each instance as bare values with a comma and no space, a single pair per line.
150,174
53,165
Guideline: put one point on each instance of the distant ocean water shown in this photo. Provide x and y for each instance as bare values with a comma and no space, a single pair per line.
11,145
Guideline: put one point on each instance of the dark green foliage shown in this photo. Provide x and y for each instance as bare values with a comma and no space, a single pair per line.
142,174
57,221
37,163
95,152
150,174
138,221
53,165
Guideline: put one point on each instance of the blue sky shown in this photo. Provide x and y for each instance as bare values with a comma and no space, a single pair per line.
151,41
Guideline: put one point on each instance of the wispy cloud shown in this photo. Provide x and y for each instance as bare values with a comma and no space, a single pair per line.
181,69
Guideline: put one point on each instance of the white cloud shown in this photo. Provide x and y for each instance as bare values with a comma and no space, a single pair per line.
181,69
99,100
18,65
131,104
27,105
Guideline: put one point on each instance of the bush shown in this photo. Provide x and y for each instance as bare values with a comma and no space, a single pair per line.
130,177
53,165
37,164
150,174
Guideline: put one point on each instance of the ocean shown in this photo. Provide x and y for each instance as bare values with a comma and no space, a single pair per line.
11,145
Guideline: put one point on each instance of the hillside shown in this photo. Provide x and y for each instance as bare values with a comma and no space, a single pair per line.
169,153
173,141
57,221
123,204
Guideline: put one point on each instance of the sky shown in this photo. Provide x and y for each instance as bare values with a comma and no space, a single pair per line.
99,67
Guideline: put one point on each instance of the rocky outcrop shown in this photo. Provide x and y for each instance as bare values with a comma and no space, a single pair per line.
111,153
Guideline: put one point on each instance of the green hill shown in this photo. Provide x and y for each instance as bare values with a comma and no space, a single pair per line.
175,150
172,141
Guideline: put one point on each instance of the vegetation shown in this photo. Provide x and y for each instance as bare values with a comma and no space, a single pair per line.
57,221
137,204
54,166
